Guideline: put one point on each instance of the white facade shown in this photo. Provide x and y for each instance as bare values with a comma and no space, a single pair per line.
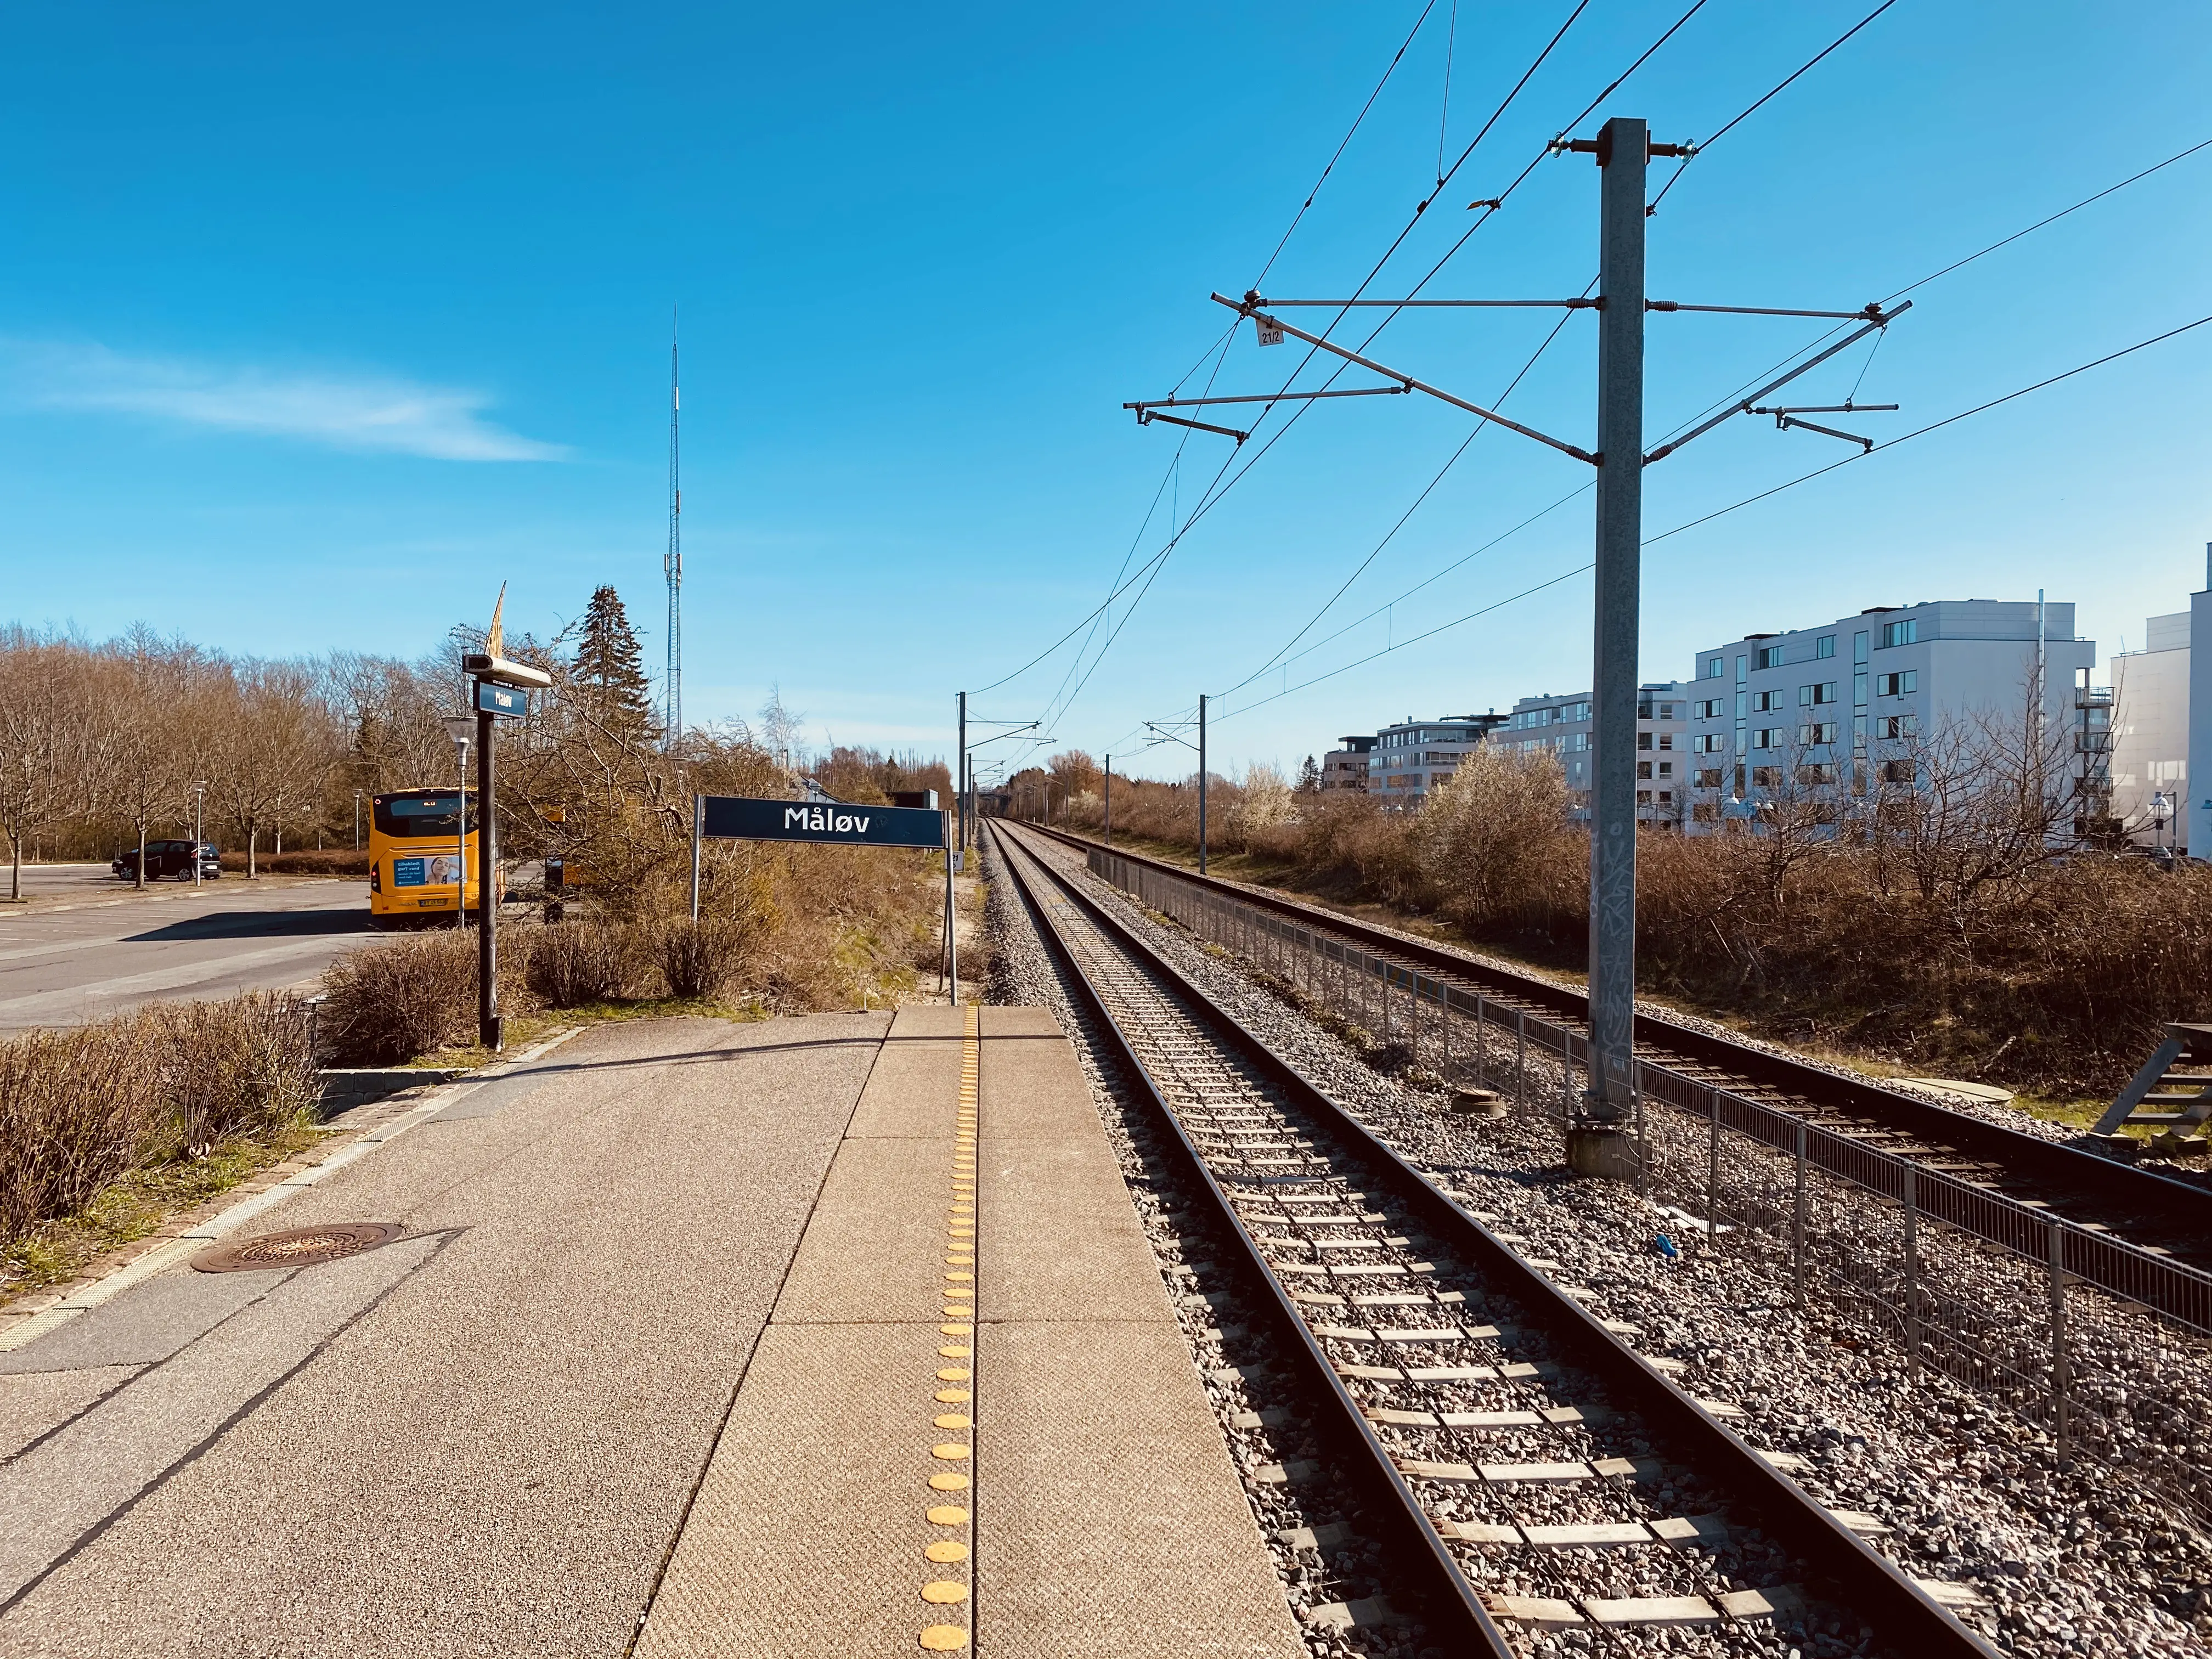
1563,726
1415,756
1842,704
2150,732
1345,767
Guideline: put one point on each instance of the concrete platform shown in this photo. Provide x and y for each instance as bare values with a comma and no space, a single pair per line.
815,1338
1095,1510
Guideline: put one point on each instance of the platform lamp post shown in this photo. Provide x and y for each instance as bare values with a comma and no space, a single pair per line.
356,820
501,689
199,831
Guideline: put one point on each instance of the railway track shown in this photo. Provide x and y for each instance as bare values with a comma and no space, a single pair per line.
1528,1470
2131,1232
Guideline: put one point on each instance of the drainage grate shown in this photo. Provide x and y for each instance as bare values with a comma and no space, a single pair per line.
303,1246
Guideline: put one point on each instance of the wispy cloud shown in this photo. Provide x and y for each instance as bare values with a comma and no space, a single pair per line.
379,413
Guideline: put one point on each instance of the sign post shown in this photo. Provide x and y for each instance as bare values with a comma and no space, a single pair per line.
501,691
837,823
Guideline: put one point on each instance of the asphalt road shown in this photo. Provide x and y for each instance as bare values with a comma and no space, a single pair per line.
89,944
478,1440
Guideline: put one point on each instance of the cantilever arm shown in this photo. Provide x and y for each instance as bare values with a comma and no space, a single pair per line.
1244,308
1745,407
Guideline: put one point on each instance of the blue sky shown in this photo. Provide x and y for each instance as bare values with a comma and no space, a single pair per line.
313,330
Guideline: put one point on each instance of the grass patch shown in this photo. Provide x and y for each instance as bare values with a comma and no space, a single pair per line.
141,1202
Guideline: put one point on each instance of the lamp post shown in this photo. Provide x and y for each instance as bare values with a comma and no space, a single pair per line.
2161,812
199,816
356,820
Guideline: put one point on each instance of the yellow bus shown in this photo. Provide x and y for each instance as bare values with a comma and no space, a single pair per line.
413,856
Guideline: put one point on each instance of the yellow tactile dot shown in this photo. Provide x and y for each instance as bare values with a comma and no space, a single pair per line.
954,1396
951,1420
949,1451
959,1275
947,1515
954,1374
945,1550
955,1353
956,1310
943,1592
956,1330
944,1638
949,1482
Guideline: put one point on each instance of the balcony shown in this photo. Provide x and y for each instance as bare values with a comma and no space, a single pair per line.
2093,696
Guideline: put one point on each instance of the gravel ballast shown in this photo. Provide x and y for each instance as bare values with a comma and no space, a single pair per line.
2068,1560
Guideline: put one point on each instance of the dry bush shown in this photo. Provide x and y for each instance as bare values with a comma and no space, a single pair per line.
387,1003
314,861
1495,846
233,1067
579,962
704,958
77,1109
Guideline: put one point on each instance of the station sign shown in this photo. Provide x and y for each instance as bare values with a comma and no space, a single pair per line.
509,700
739,818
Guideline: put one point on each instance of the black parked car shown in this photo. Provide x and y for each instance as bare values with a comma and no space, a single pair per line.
168,857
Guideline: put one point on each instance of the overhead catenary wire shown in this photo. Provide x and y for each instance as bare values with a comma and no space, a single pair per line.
1763,100
1921,432
1217,489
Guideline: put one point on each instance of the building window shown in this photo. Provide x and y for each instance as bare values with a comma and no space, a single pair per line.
1666,739
1666,769
1770,656
1709,778
1763,701
1809,696
1858,648
1897,685
1821,733
1712,668
1767,777
1643,739
1644,769
1825,645
1816,772
1893,726
1858,736
1900,633
1858,690
1644,798
1709,744
1739,662
1709,709
1898,771
1666,711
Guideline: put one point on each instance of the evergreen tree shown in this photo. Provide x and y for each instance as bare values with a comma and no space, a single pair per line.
609,667
1308,777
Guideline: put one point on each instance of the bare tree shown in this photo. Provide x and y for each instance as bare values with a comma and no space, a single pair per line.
47,740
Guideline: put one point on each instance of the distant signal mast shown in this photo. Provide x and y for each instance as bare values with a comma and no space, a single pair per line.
672,564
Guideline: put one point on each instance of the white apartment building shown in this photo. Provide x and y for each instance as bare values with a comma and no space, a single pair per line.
2150,732
1842,704
1345,767
1415,756
1563,726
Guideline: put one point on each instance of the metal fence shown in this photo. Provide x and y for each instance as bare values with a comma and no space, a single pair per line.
2100,1341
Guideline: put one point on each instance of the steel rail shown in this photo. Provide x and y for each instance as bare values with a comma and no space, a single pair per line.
1444,1595
1904,1615
2160,1225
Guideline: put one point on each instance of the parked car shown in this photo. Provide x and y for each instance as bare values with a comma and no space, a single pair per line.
168,857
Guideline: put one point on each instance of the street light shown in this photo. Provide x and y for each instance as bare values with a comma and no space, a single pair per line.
2161,811
356,820
460,728
199,815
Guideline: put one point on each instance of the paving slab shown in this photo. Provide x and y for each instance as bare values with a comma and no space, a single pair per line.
1109,1517
480,1440
1106,1515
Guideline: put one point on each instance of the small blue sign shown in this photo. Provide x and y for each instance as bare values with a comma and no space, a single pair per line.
407,872
737,818
509,700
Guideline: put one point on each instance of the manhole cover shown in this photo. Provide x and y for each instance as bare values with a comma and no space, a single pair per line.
303,1246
